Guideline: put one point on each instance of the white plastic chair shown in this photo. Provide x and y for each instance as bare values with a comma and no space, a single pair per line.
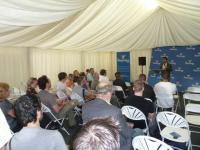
149,143
128,84
60,121
177,104
192,115
119,89
191,97
135,114
174,123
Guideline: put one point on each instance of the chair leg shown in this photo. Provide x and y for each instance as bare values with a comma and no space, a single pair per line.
65,130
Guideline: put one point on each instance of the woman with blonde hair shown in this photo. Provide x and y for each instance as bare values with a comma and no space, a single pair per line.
32,84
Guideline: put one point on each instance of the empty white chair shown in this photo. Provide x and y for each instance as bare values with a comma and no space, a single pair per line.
149,143
191,97
192,115
60,121
135,114
176,127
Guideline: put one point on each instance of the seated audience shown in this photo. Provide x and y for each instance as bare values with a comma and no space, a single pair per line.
98,134
61,85
90,75
103,76
32,136
101,107
140,103
7,107
81,91
164,91
31,86
75,76
69,82
85,84
119,81
95,82
60,108
148,90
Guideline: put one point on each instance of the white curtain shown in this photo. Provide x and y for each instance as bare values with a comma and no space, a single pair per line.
14,68
104,25
18,64
51,62
37,12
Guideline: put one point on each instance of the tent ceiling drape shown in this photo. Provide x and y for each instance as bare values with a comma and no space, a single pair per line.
98,25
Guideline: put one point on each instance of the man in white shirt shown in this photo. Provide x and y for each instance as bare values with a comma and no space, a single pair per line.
164,91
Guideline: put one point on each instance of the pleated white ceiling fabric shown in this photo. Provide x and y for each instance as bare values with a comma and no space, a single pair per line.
89,25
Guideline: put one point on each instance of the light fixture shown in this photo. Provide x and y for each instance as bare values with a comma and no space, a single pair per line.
151,4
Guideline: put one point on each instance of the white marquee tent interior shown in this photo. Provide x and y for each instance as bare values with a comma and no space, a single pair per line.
48,36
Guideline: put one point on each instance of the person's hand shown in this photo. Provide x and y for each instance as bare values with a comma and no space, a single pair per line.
130,125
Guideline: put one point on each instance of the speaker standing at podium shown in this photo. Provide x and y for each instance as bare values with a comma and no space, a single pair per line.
165,66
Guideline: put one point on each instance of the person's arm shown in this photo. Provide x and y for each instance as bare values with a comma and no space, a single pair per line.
12,113
151,116
57,108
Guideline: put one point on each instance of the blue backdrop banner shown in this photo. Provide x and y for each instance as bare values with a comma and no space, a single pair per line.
185,61
123,65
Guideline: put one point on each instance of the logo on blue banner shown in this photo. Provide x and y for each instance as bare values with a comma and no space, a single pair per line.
123,65
185,61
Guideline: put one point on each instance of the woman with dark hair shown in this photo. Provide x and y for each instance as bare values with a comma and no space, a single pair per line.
32,136
32,84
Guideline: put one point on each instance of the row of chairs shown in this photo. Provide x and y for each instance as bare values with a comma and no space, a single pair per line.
192,112
176,127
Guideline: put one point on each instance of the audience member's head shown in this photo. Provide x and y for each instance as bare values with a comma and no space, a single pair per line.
4,90
138,86
165,75
62,76
118,75
165,59
70,76
92,71
98,134
80,80
103,72
28,109
87,71
44,83
142,77
96,76
104,90
32,84
76,73
82,74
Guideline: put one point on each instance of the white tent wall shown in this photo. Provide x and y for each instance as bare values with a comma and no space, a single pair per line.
14,66
18,64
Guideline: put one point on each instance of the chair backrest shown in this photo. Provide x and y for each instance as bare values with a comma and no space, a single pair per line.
46,109
133,113
149,143
118,89
192,97
171,119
